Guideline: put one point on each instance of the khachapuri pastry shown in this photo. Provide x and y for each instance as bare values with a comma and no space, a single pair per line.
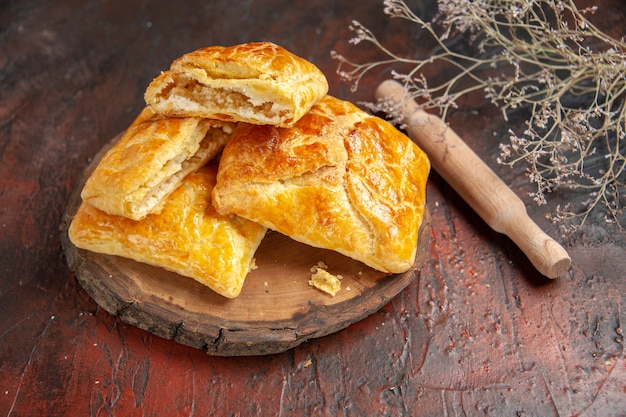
150,160
187,237
339,179
259,82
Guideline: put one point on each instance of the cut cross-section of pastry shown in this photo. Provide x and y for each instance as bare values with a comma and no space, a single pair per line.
259,82
340,179
187,237
150,160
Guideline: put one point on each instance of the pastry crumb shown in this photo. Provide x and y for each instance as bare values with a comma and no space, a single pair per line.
320,265
325,281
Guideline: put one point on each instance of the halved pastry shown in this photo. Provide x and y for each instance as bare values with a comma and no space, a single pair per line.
150,160
260,83
340,179
187,237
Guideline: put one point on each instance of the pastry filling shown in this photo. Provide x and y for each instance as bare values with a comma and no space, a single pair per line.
190,95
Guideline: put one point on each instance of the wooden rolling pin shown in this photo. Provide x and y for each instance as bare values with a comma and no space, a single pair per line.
476,183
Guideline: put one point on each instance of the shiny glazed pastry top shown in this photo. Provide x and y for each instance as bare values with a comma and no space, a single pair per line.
187,237
258,82
339,179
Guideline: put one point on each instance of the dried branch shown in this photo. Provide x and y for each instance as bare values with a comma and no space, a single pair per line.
548,58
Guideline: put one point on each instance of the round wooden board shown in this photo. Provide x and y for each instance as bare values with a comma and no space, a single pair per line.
276,310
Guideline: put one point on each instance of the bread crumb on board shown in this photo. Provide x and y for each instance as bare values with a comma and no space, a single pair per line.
324,280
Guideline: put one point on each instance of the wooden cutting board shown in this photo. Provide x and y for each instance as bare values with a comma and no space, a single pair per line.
276,310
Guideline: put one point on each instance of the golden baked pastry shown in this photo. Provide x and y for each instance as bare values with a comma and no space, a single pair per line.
150,159
187,237
340,179
260,83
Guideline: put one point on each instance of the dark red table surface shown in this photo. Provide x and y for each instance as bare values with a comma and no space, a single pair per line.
479,332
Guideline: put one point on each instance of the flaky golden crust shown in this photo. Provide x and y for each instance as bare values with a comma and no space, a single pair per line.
188,236
339,179
150,159
259,82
